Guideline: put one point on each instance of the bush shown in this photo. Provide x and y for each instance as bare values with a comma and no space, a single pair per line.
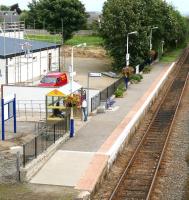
119,93
120,90
135,78
147,69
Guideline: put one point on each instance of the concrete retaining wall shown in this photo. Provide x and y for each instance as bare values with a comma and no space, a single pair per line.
27,172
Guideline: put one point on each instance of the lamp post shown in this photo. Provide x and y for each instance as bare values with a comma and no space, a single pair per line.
162,45
127,54
99,23
176,41
71,88
151,36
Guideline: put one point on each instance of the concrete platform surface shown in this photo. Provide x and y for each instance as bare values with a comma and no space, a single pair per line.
82,159
64,168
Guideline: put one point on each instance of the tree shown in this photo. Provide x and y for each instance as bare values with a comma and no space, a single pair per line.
4,8
123,16
52,13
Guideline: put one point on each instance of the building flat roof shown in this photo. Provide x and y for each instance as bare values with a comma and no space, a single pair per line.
11,47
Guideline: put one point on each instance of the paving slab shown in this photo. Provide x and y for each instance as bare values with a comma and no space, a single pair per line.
65,168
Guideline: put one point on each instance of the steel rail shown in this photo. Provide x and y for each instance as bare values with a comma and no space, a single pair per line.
180,63
166,142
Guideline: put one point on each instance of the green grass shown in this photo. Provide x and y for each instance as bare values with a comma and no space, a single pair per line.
35,192
45,38
171,56
90,40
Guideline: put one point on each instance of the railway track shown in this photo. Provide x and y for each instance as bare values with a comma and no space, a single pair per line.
139,176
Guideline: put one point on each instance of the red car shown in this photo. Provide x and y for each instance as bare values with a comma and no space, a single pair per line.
54,79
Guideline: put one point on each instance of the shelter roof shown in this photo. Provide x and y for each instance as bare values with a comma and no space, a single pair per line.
11,47
64,90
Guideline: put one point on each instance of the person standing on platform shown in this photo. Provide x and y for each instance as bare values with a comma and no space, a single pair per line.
84,109
126,74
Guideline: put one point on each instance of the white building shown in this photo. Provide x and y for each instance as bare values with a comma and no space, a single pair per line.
24,61
12,29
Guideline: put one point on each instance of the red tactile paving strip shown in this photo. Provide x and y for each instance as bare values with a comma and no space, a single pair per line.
93,173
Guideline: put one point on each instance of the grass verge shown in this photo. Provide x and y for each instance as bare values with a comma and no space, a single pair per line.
45,38
171,56
34,192
90,40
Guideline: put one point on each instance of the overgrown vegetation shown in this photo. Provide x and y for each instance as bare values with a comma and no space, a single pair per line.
171,55
120,90
121,17
136,78
147,69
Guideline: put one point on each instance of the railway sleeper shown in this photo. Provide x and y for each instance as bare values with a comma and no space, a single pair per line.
136,182
152,147
154,138
148,153
154,143
139,195
140,173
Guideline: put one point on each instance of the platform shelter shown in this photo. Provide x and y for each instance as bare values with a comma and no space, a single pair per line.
56,109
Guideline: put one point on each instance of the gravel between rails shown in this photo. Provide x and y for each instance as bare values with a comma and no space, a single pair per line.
173,174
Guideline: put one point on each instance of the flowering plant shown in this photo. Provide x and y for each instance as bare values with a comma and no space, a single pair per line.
72,100
127,71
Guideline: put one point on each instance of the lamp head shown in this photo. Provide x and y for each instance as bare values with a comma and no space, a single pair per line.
134,32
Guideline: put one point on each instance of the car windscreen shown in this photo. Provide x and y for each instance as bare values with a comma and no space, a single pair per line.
48,79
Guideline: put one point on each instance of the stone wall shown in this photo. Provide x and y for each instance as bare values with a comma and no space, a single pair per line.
9,167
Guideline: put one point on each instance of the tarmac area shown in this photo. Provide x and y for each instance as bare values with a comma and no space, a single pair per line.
82,66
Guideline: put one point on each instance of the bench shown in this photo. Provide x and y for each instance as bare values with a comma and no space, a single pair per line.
110,102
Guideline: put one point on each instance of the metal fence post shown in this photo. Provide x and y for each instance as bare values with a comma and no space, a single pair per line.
91,104
54,129
18,165
25,111
32,107
2,118
40,111
24,156
35,147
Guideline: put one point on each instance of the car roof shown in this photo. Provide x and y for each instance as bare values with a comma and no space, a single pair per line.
55,74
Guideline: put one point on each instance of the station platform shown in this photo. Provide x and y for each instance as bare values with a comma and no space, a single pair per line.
81,161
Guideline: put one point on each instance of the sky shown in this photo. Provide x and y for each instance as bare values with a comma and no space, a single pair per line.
96,5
